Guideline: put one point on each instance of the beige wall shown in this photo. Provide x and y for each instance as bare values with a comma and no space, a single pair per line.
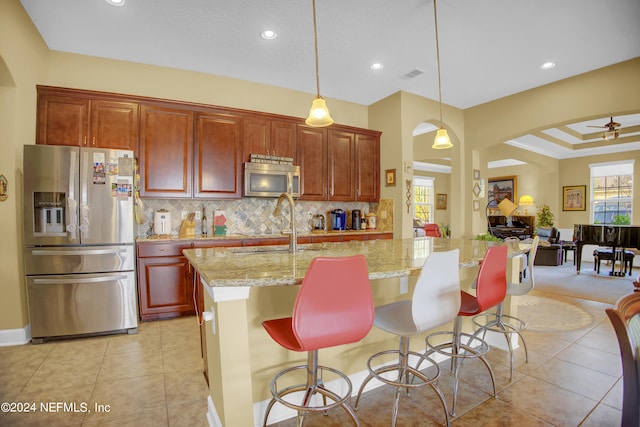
25,61
23,58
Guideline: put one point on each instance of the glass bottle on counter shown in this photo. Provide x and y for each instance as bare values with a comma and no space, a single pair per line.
204,222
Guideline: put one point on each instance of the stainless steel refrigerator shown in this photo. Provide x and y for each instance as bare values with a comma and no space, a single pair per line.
79,241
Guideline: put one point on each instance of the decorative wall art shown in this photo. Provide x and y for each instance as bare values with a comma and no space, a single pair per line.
476,189
441,201
503,187
574,198
4,190
390,178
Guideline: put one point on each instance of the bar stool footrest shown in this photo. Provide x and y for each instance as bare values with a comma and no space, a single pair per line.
318,388
397,367
503,324
478,349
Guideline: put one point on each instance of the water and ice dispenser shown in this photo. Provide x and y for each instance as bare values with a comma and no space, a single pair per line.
49,212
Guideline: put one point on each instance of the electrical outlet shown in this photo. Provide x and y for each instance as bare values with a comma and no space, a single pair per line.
383,215
198,215
183,214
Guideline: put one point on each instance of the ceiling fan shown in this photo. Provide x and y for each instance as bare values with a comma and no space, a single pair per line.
611,131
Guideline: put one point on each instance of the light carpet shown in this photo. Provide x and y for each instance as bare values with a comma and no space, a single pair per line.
587,285
545,314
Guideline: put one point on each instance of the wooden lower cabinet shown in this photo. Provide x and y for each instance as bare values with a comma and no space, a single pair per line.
165,285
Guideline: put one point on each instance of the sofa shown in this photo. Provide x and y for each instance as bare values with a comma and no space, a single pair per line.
550,248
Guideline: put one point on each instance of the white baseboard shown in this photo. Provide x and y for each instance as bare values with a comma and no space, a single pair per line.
9,337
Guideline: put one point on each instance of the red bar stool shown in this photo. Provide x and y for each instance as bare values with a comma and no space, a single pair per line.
491,288
504,323
333,307
435,302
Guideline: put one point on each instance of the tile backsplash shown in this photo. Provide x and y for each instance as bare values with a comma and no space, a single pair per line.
254,216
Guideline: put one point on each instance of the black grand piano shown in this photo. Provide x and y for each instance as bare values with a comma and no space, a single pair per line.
615,236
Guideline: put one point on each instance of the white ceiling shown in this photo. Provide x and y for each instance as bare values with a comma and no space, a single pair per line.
489,49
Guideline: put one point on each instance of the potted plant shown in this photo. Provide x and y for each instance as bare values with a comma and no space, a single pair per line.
544,217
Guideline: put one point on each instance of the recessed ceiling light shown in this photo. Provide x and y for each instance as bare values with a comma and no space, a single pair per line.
115,2
376,66
548,65
268,34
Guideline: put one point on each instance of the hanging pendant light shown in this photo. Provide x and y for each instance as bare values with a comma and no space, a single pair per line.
319,113
442,140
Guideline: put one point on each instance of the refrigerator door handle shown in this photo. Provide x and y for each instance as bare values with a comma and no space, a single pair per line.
72,204
63,281
79,252
84,206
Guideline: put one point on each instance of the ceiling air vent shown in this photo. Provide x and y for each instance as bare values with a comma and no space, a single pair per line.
414,73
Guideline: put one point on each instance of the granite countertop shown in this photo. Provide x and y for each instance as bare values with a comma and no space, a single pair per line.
275,266
157,238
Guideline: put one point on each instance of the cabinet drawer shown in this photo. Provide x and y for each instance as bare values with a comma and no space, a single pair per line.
216,243
161,249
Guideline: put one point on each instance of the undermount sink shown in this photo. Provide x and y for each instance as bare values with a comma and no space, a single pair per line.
248,250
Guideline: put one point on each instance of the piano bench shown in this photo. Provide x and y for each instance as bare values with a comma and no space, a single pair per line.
607,255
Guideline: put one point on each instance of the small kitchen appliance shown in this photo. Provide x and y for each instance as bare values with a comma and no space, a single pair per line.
371,221
317,222
162,222
338,219
355,219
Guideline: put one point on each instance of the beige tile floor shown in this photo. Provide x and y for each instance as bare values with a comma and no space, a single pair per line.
154,378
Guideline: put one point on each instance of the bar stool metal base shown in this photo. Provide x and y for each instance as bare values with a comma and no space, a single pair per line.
406,377
314,385
505,324
458,352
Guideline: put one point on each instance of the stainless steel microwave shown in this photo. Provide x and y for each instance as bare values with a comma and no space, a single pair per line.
271,180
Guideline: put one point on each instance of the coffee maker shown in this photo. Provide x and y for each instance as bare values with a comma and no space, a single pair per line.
338,219
355,219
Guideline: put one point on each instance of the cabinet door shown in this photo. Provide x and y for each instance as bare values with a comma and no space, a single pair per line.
283,139
62,120
341,166
218,151
263,136
312,158
114,125
367,168
256,137
165,288
165,154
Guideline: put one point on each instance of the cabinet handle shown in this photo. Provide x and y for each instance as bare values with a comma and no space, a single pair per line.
84,140
93,141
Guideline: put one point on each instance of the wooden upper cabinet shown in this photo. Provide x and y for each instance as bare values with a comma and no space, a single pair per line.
312,158
62,120
271,137
341,165
114,125
85,122
166,152
218,151
367,155
283,139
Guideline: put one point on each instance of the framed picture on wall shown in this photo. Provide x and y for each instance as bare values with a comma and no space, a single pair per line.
441,201
390,178
503,187
574,198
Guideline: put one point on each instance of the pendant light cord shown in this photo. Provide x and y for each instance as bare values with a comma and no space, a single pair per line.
315,47
435,18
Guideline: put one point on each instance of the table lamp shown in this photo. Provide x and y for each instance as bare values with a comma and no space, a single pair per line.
507,207
526,201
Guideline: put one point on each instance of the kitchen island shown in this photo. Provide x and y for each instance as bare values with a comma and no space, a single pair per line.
244,286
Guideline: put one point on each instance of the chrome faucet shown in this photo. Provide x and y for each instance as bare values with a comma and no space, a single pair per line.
293,236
